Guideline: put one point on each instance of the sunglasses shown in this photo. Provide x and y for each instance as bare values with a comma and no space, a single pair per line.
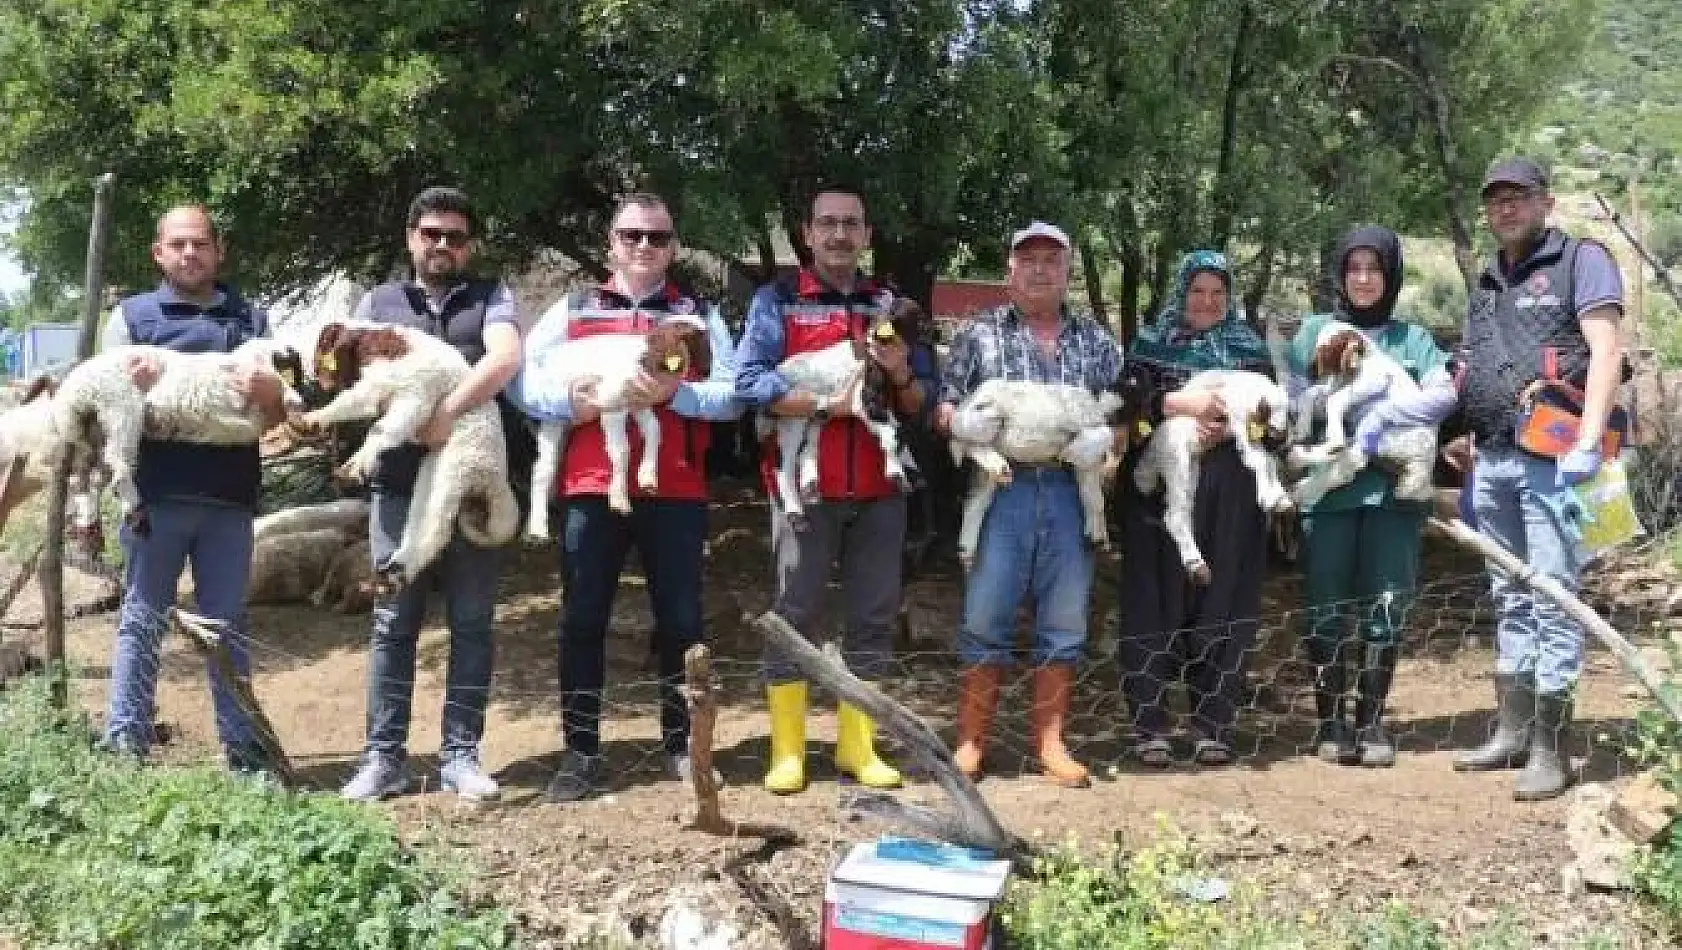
635,236
452,238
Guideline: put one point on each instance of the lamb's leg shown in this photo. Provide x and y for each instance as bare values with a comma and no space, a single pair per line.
402,419
1147,475
433,507
361,401
806,465
618,459
551,445
790,438
1336,473
122,425
648,470
994,465
1180,473
1090,483
976,503
1307,401
1270,495
887,436
1337,407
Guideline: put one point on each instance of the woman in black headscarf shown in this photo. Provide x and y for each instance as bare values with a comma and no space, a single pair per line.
1361,543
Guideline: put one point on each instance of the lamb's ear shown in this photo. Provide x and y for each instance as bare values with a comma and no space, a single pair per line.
1352,352
39,386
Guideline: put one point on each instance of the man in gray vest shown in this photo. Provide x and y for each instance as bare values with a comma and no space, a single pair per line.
1547,306
478,318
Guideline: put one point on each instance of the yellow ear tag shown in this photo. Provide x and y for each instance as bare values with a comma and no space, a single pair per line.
290,377
1144,428
884,331
674,363
1257,432
328,363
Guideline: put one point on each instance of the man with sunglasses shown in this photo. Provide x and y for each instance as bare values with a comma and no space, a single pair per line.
477,317
1547,306
667,526
861,517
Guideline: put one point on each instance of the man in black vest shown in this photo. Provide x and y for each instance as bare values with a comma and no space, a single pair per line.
1547,306
199,499
478,318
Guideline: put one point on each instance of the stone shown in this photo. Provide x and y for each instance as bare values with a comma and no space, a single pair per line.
1239,825
1602,854
1644,810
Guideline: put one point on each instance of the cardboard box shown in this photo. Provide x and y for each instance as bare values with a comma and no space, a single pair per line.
901,894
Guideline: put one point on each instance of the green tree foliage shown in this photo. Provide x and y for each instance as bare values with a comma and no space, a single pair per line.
1263,125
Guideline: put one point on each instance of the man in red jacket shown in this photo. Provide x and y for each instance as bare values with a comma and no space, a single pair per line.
861,517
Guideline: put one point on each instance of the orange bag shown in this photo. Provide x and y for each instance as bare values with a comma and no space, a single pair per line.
1551,414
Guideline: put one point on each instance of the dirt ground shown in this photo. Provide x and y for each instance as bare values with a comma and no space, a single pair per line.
1308,835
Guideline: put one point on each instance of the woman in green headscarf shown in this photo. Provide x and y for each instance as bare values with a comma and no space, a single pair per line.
1172,629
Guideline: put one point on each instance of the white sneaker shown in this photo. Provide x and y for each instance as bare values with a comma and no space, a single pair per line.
379,777
463,776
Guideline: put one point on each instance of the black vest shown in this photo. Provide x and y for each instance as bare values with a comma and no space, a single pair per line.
189,471
1513,320
460,323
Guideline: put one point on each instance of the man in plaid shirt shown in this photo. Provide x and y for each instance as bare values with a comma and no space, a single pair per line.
1033,537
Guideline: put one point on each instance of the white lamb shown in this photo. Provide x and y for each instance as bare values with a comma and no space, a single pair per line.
98,413
398,376
1350,372
843,371
1258,412
1042,424
671,348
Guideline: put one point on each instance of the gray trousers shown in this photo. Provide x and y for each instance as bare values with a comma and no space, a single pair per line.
869,539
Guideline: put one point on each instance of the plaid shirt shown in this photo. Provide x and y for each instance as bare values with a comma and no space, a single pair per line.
998,344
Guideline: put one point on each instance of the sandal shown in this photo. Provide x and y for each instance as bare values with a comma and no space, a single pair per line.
1212,752
1156,753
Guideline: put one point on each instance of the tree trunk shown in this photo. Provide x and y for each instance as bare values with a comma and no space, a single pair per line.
767,253
1094,275
1226,190
1422,52
1132,280
1264,277
909,265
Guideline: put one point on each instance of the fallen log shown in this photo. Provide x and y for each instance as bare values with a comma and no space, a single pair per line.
972,823
207,636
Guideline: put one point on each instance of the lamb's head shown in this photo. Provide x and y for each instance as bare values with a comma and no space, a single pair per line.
29,443
1338,353
1126,403
1270,420
343,350
678,346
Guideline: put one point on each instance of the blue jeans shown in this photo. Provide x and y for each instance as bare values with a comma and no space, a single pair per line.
468,576
1033,538
669,536
1533,634
216,539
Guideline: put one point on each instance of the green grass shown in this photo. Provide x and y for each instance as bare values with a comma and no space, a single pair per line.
96,852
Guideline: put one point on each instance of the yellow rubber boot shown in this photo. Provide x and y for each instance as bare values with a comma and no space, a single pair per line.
855,750
787,772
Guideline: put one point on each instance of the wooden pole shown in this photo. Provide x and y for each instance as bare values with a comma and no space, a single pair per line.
25,572
1527,576
1660,272
973,822
52,558
207,636
703,714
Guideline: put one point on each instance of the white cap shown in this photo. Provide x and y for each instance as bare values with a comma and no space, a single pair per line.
1040,229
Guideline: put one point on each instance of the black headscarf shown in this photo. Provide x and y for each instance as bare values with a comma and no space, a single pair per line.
1383,242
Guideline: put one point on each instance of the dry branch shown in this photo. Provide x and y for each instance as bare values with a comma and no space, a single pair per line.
25,572
207,636
1540,583
973,823
703,713
1661,272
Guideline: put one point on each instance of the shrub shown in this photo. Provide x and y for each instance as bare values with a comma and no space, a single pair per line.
97,852
1658,745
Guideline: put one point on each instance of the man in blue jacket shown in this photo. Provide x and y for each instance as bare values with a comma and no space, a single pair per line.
199,500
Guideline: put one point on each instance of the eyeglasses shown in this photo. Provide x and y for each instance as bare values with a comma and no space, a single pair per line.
632,237
827,223
1508,198
453,238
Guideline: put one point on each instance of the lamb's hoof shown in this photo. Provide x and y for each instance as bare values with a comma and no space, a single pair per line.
902,482
390,577
966,560
139,523
349,474
620,503
648,481
809,494
1199,573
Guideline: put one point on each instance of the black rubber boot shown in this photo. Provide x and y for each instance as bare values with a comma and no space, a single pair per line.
1547,774
1509,744
1377,673
1333,740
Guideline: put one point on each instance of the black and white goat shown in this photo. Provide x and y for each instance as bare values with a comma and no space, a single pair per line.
1349,372
1258,413
842,370
670,349
1044,424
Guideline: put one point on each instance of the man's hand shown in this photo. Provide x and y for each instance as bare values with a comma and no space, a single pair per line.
1458,454
943,414
143,369
647,390
258,387
895,359
585,408
1213,426
1577,466
436,432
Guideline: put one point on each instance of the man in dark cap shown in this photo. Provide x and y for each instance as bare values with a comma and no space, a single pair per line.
1547,306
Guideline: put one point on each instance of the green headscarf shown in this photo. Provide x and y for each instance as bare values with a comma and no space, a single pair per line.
1229,344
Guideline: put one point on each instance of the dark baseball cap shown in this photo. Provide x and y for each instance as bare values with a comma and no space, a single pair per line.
1519,171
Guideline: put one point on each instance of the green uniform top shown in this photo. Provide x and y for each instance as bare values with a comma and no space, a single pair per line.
1408,344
